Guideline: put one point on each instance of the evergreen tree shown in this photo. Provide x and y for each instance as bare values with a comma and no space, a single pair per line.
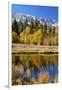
15,26
45,28
53,31
25,24
49,30
36,23
32,24
20,27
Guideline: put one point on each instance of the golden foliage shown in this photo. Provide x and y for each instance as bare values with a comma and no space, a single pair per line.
37,37
15,38
23,37
54,40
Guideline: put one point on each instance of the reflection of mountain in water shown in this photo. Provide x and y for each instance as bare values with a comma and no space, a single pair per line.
35,68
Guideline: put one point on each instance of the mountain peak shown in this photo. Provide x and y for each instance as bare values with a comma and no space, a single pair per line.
29,18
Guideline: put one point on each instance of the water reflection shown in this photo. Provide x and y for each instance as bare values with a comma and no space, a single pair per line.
34,68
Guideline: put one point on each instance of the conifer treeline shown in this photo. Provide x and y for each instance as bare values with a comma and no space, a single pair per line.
34,33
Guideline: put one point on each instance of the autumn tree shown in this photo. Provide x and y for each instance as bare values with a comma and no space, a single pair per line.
38,37
54,40
15,38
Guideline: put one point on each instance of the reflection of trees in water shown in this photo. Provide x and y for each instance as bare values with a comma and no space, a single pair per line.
24,66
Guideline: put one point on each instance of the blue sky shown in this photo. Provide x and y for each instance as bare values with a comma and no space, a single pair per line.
46,12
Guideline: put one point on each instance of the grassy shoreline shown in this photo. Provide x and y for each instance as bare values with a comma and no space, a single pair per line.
34,49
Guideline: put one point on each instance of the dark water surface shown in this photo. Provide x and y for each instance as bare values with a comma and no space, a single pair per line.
34,68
